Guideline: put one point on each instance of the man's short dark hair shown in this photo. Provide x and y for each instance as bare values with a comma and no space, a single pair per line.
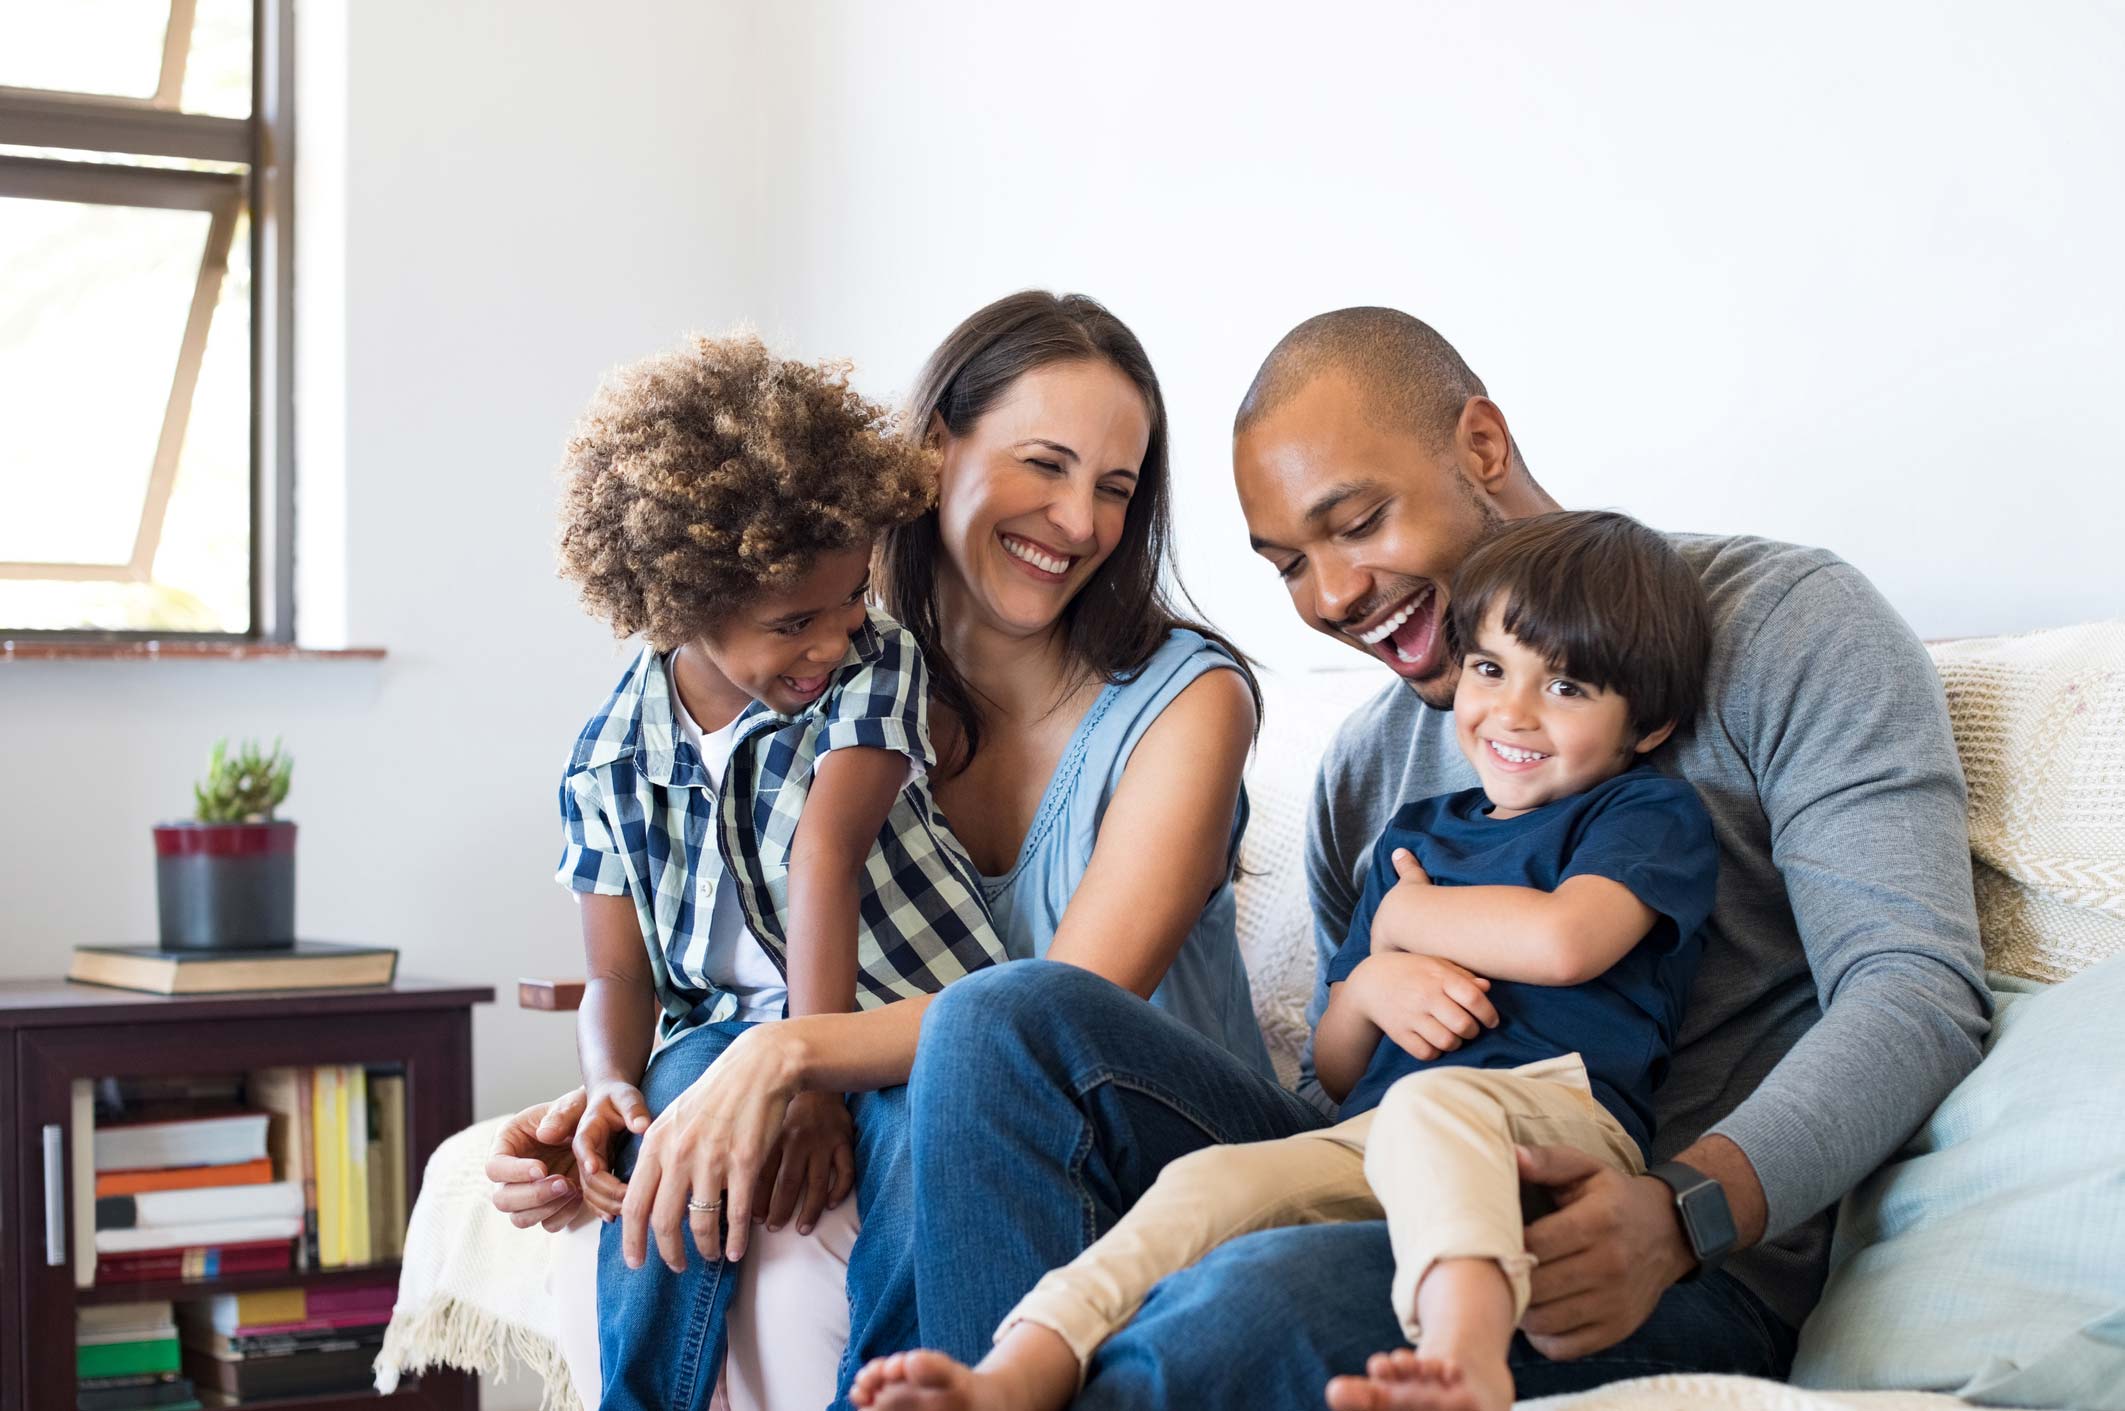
1411,375
1607,601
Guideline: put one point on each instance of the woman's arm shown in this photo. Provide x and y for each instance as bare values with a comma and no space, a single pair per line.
1164,842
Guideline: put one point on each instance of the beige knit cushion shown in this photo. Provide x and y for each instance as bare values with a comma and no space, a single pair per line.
2040,724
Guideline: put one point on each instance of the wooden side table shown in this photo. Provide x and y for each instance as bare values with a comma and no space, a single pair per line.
53,1031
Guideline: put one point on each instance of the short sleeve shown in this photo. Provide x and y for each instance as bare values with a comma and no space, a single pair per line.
591,860
882,703
1653,837
1357,941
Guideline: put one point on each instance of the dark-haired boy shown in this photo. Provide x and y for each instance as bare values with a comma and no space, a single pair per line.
1575,878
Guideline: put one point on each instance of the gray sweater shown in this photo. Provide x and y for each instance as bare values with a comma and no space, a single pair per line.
1842,991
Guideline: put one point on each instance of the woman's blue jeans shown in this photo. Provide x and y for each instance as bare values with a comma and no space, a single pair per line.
661,1334
1044,1101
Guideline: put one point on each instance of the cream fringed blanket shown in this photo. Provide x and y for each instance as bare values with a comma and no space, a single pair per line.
475,1292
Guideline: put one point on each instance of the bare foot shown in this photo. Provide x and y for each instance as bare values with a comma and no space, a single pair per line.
927,1381
1406,1381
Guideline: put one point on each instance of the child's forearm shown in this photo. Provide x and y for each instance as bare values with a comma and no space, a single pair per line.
1565,937
617,1021
1343,1042
822,933
616,1026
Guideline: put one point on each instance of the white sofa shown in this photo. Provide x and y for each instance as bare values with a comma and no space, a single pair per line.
477,1293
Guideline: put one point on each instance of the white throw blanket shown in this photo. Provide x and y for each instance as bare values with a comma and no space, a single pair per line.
476,1292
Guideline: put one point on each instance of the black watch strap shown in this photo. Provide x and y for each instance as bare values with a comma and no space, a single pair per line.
1701,1205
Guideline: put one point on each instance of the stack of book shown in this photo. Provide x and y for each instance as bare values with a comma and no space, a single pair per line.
339,1132
285,1342
189,1197
126,1359
283,1168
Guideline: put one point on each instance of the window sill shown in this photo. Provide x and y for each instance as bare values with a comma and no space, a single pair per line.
151,649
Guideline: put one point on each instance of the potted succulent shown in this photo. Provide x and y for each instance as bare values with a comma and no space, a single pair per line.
226,879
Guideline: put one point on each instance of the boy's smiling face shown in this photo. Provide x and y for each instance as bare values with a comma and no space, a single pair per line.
782,646
1535,734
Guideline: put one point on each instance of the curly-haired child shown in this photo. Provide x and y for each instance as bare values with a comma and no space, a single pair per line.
749,825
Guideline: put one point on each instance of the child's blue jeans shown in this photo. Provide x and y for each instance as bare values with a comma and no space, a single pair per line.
661,1334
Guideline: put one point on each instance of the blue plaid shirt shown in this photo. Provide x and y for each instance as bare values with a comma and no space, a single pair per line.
637,811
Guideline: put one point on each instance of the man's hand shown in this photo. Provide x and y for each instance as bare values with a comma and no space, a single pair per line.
1426,1005
1394,926
1603,1257
814,1169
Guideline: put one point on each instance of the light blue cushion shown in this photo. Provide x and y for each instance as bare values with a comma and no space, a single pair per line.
1988,1258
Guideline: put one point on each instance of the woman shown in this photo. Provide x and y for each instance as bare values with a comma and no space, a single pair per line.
1035,589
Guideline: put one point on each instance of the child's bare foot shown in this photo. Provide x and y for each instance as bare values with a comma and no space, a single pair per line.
929,1380
1407,1381
1030,1370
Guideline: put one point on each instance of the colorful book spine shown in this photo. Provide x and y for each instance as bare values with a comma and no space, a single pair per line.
331,1226
126,1359
184,1178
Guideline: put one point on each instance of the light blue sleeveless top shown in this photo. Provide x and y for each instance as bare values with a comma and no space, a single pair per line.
1207,987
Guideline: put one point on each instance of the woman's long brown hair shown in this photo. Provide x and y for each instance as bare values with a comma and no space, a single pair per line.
1123,614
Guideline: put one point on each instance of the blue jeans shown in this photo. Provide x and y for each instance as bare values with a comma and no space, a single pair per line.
661,1334
1045,1101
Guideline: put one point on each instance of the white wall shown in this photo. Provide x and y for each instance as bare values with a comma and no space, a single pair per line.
1845,275
1840,274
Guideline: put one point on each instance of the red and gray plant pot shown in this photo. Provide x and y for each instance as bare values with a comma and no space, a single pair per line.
225,886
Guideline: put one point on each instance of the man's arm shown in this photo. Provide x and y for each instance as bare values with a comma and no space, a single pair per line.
1857,771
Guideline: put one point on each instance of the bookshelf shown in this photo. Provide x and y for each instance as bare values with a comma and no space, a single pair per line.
53,1033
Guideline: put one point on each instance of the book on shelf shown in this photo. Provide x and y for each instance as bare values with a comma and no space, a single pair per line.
387,1161
123,1317
327,1123
306,965
354,1085
180,1178
275,1310
300,1374
143,1238
162,1391
197,1139
204,1205
281,1093
194,1264
136,1354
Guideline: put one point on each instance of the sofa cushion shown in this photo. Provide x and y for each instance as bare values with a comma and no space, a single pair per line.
1988,1258
2040,724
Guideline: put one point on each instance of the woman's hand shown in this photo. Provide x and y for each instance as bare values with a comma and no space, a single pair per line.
611,1109
711,1144
533,1166
816,1166
1427,1005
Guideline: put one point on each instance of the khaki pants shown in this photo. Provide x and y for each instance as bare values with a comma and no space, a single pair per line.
1435,1158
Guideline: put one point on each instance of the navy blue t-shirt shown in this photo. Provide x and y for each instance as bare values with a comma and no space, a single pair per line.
1641,829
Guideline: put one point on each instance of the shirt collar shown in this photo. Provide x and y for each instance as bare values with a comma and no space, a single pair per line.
654,738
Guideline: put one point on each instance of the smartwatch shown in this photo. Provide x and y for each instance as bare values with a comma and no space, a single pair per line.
1702,1207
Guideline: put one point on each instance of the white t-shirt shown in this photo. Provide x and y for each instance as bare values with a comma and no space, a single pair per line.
734,961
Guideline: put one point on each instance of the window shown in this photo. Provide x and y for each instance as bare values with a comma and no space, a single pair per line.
145,170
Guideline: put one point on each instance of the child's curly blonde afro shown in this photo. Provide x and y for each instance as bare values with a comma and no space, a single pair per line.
702,477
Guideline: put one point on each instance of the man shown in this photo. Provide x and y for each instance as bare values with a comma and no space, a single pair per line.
1840,998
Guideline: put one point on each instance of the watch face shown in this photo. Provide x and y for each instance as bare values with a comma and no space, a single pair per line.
1711,1224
